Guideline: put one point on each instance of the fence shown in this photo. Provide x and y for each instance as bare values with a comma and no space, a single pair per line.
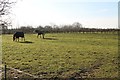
9,73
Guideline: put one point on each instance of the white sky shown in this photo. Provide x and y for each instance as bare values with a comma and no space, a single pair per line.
45,12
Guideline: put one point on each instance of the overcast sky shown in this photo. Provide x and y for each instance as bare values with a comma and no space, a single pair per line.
90,13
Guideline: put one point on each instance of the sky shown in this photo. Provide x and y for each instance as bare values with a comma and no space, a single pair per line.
90,13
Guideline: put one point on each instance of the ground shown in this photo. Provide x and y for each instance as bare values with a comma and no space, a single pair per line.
65,55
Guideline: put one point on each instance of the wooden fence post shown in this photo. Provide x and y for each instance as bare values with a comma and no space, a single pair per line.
5,72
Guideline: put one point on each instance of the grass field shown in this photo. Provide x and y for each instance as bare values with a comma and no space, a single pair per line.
64,55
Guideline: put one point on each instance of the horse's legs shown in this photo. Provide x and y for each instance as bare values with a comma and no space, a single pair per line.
24,38
16,39
43,36
37,36
40,35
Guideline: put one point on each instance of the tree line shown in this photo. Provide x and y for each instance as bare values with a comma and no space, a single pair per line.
75,27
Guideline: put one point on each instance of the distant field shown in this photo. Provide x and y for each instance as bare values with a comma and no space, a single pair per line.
64,55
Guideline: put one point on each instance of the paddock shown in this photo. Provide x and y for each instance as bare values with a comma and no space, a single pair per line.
64,55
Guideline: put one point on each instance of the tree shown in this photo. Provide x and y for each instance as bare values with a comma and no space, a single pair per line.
77,26
5,6
48,28
40,28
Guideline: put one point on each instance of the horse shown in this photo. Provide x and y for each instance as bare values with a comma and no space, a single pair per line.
41,33
17,35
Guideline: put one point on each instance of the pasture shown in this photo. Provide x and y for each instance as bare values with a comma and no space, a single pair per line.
64,55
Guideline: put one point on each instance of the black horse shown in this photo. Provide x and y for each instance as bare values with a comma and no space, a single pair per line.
17,35
41,33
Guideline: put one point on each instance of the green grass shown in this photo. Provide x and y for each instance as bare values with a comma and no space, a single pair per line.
63,54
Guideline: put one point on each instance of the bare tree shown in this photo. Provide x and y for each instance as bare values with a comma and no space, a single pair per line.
5,7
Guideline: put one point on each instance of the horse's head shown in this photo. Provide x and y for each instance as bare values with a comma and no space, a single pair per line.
13,38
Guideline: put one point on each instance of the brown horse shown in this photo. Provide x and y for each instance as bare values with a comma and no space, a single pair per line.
17,35
41,33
